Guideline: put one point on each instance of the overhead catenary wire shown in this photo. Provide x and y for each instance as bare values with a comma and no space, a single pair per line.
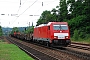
31,6
20,6
28,7
42,5
25,10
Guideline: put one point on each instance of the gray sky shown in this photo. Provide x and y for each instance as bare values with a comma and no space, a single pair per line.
20,14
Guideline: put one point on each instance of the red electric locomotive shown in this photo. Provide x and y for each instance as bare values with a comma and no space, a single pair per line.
53,33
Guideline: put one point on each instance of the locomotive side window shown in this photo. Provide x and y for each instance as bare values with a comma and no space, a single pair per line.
60,27
48,27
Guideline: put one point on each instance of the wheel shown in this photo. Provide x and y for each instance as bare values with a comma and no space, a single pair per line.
47,44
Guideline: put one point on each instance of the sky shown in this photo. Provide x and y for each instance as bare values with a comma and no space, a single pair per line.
14,14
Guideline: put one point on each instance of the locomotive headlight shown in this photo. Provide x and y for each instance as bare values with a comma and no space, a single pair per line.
66,37
55,37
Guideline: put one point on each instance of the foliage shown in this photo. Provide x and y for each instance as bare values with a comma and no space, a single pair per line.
75,35
29,30
63,12
45,17
77,23
87,41
1,33
15,29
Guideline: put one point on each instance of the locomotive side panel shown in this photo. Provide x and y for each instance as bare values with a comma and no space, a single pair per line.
44,32
41,33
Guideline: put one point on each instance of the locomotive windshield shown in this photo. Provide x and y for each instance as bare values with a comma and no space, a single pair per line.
60,27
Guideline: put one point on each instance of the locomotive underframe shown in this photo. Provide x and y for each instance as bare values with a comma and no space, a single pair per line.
61,42
55,42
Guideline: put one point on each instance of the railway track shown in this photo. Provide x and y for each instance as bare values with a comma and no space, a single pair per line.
1,37
41,53
80,46
32,52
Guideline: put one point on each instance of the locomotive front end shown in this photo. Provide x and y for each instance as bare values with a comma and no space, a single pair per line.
61,34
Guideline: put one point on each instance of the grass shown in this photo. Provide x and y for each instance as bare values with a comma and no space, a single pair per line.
81,40
12,52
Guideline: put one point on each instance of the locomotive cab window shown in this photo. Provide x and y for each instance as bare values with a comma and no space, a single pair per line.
60,27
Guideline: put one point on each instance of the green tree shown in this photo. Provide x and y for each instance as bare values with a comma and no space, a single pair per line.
78,23
76,7
75,35
15,29
1,33
71,4
29,30
63,12
45,17
86,6
55,14
86,10
80,15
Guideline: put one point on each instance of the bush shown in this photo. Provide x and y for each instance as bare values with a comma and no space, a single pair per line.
75,35
82,35
77,23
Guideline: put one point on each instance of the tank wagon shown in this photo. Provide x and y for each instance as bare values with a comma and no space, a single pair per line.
53,33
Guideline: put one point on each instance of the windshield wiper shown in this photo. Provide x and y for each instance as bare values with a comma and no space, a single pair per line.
60,27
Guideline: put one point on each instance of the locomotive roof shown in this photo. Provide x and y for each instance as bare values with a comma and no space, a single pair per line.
50,23
57,23
41,25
